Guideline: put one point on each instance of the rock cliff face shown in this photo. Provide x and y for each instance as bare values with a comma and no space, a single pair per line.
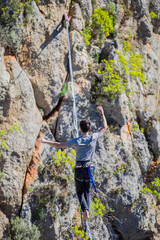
35,182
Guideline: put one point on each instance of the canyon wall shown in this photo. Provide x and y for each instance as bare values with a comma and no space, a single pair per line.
37,184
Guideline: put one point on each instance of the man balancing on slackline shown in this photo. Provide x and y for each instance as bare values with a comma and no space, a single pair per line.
85,147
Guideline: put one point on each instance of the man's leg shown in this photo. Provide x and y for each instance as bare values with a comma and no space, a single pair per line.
80,188
87,191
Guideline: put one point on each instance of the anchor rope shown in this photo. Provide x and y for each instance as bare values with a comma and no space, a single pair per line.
72,81
74,109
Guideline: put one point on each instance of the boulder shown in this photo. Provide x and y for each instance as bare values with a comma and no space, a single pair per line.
141,149
155,7
23,121
80,59
86,8
117,109
44,56
4,88
3,225
108,51
154,137
144,30
78,23
140,8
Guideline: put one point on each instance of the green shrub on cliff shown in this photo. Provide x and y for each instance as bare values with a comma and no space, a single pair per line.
3,145
21,231
87,34
102,22
14,14
1,176
97,208
114,75
100,26
111,83
153,15
79,233
153,188
11,10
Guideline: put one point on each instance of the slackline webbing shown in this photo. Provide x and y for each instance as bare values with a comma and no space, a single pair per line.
74,106
72,81
89,232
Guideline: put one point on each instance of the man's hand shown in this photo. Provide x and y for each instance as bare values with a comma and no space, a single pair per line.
104,122
53,144
100,110
41,140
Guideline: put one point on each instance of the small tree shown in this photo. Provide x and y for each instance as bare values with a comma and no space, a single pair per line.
21,231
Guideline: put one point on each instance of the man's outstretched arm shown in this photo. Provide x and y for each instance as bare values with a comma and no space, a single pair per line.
53,144
104,122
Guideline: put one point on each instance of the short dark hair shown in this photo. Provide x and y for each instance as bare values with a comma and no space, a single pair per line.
85,125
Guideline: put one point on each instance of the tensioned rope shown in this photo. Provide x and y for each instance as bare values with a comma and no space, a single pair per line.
75,122
75,112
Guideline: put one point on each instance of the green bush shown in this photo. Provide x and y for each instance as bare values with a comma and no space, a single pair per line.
111,8
58,162
119,169
111,82
21,231
97,208
114,75
14,14
60,157
78,232
87,34
153,15
3,145
153,188
64,90
100,27
102,22
1,176
9,12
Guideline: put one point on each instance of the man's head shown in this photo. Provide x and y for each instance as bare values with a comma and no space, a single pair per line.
85,125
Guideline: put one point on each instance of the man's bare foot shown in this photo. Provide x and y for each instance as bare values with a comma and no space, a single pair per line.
86,215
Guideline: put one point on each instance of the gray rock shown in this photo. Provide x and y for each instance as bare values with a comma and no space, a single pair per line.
95,51
46,150
108,51
86,8
66,128
22,111
78,23
52,122
141,149
140,7
3,225
144,30
4,88
119,190
143,119
151,127
47,53
154,137
52,202
122,158
117,109
155,7
80,59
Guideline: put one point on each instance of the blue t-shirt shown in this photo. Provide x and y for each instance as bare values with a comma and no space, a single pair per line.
84,146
